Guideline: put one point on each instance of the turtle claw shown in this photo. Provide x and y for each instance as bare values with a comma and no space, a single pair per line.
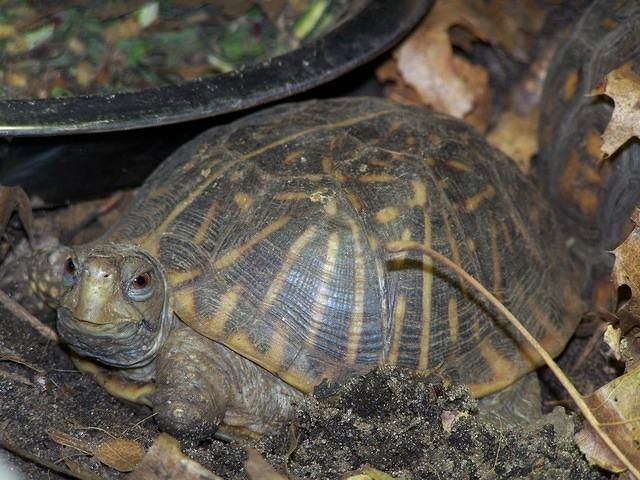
15,199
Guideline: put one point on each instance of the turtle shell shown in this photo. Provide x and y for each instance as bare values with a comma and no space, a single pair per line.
593,202
272,231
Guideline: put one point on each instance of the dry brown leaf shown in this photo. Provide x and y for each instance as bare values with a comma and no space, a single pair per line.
516,135
426,60
626,271
626,280
119,453
165,461
447,82
67,440
396,89
622,85
477,80
15,199
617,407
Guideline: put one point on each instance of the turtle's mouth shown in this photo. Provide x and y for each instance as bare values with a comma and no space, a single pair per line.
120,344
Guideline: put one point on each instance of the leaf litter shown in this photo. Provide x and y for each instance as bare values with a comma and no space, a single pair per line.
429,69
622,85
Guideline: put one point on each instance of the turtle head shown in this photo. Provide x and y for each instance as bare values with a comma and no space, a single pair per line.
114,305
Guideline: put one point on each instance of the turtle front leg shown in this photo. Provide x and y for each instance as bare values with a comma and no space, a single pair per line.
201,384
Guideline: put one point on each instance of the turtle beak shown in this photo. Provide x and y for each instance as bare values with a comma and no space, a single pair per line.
97,298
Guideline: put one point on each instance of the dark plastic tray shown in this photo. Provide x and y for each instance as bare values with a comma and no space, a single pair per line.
76,147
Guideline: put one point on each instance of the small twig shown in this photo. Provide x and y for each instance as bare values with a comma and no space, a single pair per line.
402,246
99,430
589,348
7,356
626,421
4,443
500,440
20,312
139,423
16,377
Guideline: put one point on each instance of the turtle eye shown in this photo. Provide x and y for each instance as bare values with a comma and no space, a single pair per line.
70,272
141,281
140,287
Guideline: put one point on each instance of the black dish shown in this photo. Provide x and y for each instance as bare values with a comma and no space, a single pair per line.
43,152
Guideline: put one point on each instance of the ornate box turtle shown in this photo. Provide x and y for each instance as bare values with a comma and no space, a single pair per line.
251,265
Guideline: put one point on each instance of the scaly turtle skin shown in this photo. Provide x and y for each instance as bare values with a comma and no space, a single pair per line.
251,265
594,203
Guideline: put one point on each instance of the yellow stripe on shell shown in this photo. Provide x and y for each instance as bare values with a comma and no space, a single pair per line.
458,166
319,306
278,345
339,177
376,162
377,178
331,206
397,259
495,259
354,201
214,324
474,201
503,370
395,126
507,237
293,157
419,198
453,248
453,320
471,244
357,311
243,200
201,233
387,214
229,257
291,257
239,341
373,241
178,277
427,281
399,311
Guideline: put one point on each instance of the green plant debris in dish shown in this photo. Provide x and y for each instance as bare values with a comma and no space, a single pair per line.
72,47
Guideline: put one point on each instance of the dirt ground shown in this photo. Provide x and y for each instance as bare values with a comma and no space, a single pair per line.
390,420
